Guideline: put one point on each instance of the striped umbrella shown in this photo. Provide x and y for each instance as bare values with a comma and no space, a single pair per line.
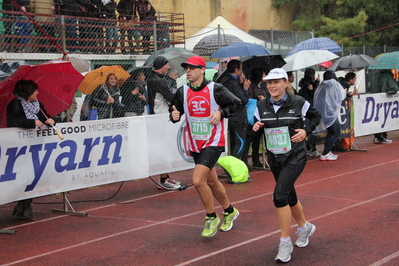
320,43
387,61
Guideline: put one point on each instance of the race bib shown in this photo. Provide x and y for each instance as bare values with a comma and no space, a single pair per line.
200,128
278,140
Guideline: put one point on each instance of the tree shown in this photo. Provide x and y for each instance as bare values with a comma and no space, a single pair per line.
342,20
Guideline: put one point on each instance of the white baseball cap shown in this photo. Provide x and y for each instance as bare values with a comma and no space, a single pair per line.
276,73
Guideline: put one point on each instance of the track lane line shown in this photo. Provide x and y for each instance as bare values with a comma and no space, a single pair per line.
198,212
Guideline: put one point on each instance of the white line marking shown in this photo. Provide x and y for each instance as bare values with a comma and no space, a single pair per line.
275,232
386,259
195,213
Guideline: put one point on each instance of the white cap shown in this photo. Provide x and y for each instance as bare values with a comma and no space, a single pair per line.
276,73
226,59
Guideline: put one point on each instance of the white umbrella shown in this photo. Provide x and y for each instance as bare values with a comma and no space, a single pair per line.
78,63
306,58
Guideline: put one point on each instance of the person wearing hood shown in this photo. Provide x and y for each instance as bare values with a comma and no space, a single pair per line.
328,101
383,82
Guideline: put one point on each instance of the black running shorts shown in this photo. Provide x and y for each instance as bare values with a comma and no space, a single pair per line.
208,156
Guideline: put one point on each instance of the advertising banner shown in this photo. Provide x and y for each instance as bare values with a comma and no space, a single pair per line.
376,113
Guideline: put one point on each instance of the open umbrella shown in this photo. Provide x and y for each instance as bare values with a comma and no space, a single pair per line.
387,61
175,56
307,58
353,61
240,49
78,63
6,69
57,80
267,62
98,76
134,71
210,43
321,43
326,64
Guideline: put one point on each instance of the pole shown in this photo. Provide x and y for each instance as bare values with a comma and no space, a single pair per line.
155,38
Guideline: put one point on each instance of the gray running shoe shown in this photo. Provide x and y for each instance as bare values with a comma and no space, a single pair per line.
168,185
303,236
284,251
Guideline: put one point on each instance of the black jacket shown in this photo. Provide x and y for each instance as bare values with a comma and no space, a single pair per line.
239,119
132,103
157,88
289,114
304,91
127,8
16,116
228,102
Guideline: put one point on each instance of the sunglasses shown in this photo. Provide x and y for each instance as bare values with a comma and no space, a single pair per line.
191,67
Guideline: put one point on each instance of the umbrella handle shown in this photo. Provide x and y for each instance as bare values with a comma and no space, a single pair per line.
58,133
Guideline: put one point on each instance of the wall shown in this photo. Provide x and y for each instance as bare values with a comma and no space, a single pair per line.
243,14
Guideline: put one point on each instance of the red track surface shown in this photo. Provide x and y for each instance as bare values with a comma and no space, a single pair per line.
354,202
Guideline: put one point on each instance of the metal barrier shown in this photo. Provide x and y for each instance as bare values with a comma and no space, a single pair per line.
41,33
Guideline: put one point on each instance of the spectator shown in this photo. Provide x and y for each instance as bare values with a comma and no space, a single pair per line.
11,43
238,122
107,13
308,85
128,27
159,97
90,31
256,91
328,101
159,93
383,82
26,111
146,13
171,79
291,79
223,65
66,116
106,98
70,8
346,82
133,93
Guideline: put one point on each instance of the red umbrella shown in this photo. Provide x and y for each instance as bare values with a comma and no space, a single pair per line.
57,80
326,64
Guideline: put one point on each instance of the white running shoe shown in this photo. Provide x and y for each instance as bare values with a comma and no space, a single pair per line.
303,236
328,157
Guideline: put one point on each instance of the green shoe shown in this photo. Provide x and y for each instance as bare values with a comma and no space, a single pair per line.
211,225
228,220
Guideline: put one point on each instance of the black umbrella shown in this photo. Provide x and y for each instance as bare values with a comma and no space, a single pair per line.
134,71
267,62
353,61
210,43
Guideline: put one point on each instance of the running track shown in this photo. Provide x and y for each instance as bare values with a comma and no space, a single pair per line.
354,202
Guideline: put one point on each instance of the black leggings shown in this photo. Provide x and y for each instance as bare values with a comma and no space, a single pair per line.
285,176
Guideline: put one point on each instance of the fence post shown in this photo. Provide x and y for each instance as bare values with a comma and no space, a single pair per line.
271,39
155,38
219,45
63,32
